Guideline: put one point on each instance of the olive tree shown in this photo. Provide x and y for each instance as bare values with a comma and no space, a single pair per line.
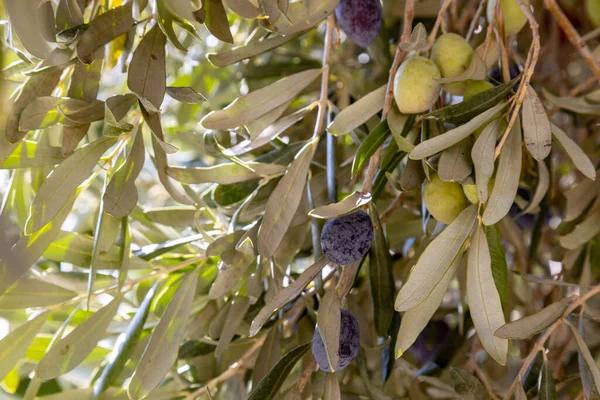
316,199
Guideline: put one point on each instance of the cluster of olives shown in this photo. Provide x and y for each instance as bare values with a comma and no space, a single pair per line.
349,343
360,20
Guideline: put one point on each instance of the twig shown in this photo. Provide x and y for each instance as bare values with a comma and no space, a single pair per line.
475,19
238,366
310,368
320,124
397,203
438,22
485,382
539,346
409,13
532,58
573,36
591,35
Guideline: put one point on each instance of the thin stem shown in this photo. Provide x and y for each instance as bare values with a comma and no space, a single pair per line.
320,124
532,58
573,36
539,346
438,22
475,19
409,13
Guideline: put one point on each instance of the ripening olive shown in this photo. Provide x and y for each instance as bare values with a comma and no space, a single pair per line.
592,7
514,17
452,54
346,239
349,343
360,20
474,87
470,190
416,86
444,200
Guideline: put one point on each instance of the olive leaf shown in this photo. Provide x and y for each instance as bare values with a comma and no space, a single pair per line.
268,387
23,16
231,56
64,180
482,155
268,355
543,184
453,136
590,375
467,110
267,134
302,16
332,388
533,324
381,277
284,201
575,153
286,295
546,385
235,316
484,301
498,256
215,19
584,231
30,154
536,126
120,196
71,350
415,319
29,292
103,29
506,183
369,146
358,112
435,261
147,75
345,206
125,345
225,173
412,175
256,127
13,346
247,108
467,385
248,9
455,162
577,105
185,95
329,324
417,40
161,351
579,197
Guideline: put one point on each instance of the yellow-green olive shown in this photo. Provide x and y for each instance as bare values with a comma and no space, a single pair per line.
452,54
514,17
444,200
416,85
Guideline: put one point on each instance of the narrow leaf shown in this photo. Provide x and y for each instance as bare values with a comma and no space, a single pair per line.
455,162
578,105
354,201
103,29
225,173
547,386
381,277
584,231
483,158
498,256
162,348
286,295
484,301
185,95
466,385
536,126
14,345
268,355
329,325
268,387
369,146
576,154
147,75
506,183
543,184
436,260
358,113
284,201
587,361
64,180
29,292
453,136
30,154
533,324
215,19
235,316
71,350
467,110
332,388
247,108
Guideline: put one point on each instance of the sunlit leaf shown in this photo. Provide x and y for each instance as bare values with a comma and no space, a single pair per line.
147,76
358,113
225,173
349,204
533,324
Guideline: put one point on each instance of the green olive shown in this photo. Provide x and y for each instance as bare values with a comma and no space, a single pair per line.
444,200
514,17
470,190
452,54
416,86
592,7
474,87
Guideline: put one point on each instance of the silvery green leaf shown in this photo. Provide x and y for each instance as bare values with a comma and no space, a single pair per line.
536,126
584,231
435,261
349,204
576,154
483,158
455,162
147,75
329,325
358,113
533,324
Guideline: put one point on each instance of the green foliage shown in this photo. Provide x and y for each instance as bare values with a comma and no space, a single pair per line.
166,168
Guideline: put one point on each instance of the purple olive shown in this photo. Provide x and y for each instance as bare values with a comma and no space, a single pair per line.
360,20
346,239
349,343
